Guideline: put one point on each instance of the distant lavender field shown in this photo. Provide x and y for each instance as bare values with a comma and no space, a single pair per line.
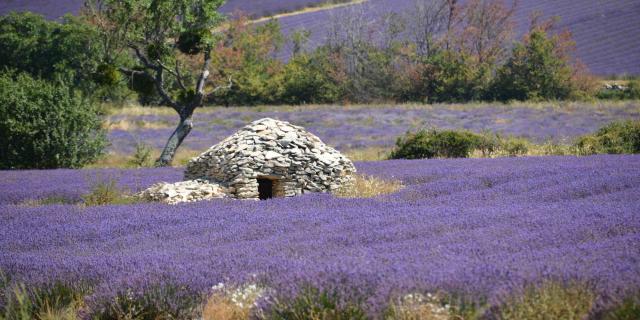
54,9
359,127
605,31
480,227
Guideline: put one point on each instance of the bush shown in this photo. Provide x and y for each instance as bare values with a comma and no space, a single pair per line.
550,301
49,49
632,91
435,144
57,301
107,192
312,303
615,138
46,125
514,147
628,309
538,69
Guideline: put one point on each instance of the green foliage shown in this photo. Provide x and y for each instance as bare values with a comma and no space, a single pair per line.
142,156
305,80
315,304
57,301
144,86
46,125
193,41
158,302
549,301
616,138
631,92
246,57
454,77
53,50
514,147
488,143
538,69
628,309
435,144
107,192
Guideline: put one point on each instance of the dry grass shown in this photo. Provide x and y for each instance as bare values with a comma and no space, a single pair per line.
137,110
118,160
368,154
551,300
418,307
369,187
68,313
220,307
127,125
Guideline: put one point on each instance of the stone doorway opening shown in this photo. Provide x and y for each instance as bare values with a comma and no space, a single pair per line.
265,188
270,187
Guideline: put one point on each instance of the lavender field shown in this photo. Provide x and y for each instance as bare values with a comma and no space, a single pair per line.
361,127
483,228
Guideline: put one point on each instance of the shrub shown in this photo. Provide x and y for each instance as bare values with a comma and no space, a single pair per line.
46,125
142,156
632,91
550,301
312,303
57,301
107,192
306,79
538,69
628,309
165,301
52,49
488,143
616,138
514,147
435,144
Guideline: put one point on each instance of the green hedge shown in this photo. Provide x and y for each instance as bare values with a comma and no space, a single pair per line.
46,125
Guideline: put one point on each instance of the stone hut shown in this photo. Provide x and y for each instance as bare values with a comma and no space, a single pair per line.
271,158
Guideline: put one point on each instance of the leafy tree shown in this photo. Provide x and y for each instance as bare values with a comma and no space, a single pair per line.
160,35
46,125
245,54
51,50
307,78
539,68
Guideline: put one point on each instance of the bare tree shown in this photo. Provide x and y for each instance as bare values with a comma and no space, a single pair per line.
429,19
486,27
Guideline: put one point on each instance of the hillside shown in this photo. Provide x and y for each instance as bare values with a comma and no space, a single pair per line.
605,31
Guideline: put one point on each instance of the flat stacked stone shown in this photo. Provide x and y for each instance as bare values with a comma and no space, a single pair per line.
184,191
297,160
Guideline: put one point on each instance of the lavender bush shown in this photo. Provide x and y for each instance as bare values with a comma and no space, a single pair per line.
481,228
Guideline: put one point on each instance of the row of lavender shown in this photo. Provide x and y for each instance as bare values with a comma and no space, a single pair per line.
480,227
362,127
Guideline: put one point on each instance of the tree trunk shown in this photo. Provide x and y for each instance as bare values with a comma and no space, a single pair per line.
178,135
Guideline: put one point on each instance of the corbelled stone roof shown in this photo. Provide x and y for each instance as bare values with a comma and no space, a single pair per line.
275,149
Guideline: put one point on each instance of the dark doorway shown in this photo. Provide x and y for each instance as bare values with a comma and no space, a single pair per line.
265,189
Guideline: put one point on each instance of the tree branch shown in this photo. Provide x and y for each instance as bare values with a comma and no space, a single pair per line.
218,88
159,79
175,73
